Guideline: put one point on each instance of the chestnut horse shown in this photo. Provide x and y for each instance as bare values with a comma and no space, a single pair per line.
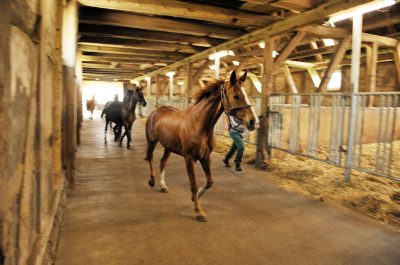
90,105
189,133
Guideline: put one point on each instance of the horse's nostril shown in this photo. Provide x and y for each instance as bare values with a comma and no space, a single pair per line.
252,122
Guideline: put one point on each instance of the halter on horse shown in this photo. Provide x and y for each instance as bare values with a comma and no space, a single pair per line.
189,133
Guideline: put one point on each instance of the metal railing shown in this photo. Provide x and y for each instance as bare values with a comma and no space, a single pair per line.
316,126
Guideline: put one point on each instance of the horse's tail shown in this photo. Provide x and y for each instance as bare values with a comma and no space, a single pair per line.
103,112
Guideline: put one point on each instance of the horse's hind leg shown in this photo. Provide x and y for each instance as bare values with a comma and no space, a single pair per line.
163,163
201,216
105,132
149,157
205,164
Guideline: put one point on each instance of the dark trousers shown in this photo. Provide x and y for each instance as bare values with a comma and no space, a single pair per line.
237,145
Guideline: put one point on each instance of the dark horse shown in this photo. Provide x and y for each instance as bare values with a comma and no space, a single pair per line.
189,133
123,115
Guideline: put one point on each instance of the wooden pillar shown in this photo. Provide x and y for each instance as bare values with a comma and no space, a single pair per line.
289,79
157,88
372,60
396,57
263,152
335,61
189,82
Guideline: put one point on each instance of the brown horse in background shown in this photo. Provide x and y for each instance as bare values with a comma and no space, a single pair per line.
90,105
189,133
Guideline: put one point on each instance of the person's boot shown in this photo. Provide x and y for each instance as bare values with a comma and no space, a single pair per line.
238,167
226,162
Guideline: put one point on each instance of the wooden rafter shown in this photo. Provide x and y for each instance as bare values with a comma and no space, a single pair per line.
130,20
335,61
139,34
183,9
139,44
287,25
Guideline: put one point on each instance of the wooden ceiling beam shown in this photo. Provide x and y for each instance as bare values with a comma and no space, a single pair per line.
139,44
289,24
335,33
87,58
139,34
133,57
129,20
173,8
92,47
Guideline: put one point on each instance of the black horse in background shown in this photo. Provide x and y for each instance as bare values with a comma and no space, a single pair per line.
123,115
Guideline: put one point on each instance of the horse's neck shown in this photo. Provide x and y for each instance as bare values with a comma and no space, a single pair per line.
206,114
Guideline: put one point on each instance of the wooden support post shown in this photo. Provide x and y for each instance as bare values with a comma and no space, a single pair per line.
289,79
157,89
396,57
189,82
263,151
288,49
318,56
372,60
355,77
335,61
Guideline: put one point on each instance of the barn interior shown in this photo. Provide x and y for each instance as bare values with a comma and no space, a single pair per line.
324,78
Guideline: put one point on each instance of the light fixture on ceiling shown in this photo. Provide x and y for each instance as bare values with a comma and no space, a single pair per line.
236,63
329,42
221,54
170,74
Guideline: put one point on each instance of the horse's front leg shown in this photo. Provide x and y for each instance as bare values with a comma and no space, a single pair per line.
123,135
206,165
129,136
201,216
105,132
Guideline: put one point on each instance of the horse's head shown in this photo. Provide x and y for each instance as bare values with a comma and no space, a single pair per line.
141,98
236,102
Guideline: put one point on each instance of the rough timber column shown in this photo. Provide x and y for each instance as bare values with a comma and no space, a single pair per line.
263,152
189,82
70,29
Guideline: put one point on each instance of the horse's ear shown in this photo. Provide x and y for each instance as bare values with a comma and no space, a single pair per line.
232,79
243,77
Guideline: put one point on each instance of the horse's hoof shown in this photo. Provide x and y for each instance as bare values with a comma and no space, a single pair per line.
201,218
129,148
151,182
164,190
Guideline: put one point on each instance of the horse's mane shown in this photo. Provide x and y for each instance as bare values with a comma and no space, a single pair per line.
202,93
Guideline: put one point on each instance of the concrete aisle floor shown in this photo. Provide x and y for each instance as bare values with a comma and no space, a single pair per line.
113,217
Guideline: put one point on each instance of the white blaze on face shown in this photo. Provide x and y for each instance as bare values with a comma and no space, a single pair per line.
248,102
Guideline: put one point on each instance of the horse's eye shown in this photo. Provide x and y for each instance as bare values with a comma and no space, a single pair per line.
236,97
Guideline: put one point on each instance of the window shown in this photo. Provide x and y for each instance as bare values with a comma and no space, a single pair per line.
336,81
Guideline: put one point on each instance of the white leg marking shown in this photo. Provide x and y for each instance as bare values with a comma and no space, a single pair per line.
251,104
200,192
162,179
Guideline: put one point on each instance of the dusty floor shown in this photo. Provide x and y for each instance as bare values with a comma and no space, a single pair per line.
374,196
112,217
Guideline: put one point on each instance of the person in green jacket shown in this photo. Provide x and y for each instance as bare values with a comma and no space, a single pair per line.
236,130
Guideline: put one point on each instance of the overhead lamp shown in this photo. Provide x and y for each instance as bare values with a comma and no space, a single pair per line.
261,45
147,78
180,83
359,10
221,54
212,67
274,54
236,63
329,42
170,74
